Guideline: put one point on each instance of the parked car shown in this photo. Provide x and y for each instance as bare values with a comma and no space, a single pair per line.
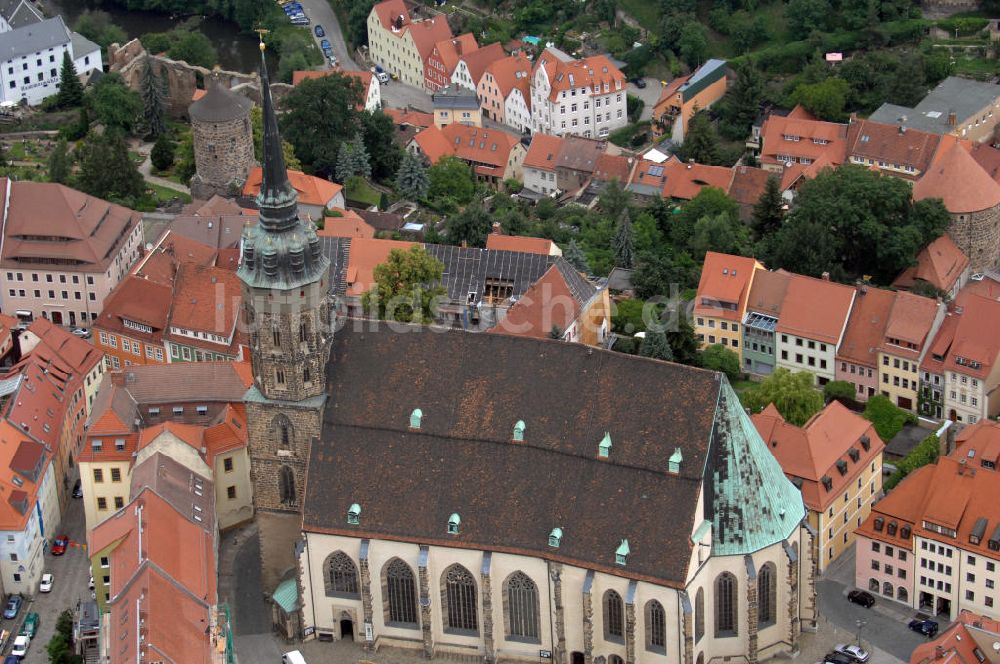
20,648
857,653
292,8
928,628
30,626
300,21
837,658
81,332
11,659
46,585
59,545
78,489
324,44
319,31
13,607
861,597
90,584
638,82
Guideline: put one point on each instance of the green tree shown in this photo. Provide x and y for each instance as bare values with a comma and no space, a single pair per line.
693,44
723,233
793,394
401,291
741,105
78,129
322,113
96,26
249,14
162,154
290,63
575,257
806,16
353,160
719,358
923,454
886,416
107,171
114,104
658,273
709,202
257,123
193,48
451,178
624,242
684,342
826,99
153,121
656,346
470,226
357,21
839,390
70,89
411,178
700,141
384,154
768,212
60,163
184,156
613,199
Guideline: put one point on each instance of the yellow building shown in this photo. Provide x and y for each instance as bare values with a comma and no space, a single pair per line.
400,44
836,461
721,300
912,323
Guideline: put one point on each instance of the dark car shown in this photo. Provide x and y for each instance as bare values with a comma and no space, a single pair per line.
12,659
837,658
13,607
638,82
59,545
78,490
319,31
324,44
866,600
926,627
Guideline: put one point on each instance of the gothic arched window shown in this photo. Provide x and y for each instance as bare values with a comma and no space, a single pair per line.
461,611
766,595
656,626
725,605
522,606
401,593
282,429
699,615
614,614
341,575
304,329
286,485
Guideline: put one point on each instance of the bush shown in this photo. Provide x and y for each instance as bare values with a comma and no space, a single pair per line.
635,106
965,27
162,154
887,418
839,390
719,358
921,455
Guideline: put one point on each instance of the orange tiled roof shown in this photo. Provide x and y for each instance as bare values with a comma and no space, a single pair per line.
813,452
748,184
449,51
489,147
866,326
477,60
588,72
520,243
683,181
348,224
910,321
725,279
978,443
959,181
815,139
933,361
882,142
969,640
311,189
543,153
549,302
366,254
389,10
940,264
408,116
670,92
976,337
815,309
612,167
206,299
510,73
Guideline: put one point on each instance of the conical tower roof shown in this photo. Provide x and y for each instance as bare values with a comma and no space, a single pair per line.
219,104
959,181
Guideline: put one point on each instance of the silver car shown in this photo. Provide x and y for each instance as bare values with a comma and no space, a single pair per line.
857,653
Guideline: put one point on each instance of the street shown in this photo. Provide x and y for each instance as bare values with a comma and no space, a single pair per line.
649,95
321,13
71,571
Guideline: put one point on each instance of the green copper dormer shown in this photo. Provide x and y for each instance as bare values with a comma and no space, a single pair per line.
454,524
674,463
621,553
748,499
280,251
604,447
555,537
415,418
354,514
519,428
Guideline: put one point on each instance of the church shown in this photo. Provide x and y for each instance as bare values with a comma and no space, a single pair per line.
504,498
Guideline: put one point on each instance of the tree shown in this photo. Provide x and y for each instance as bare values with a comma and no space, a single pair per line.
700,141
662,272
114,104
656,346
839,390
378,130
613,199
470,226
411,178
257,123
290,63
684,342
826,99
401,291
575,257
624,242
60,163
806,16
793,394
693,44
709,202
767,211
193,48
723,233
153,121
322,113
78,129
742,103
162,154
353,160
451,178
107,171
886,416
719,358
96,26
184,157
70,89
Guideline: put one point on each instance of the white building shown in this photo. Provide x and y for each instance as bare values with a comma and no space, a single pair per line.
32,59
29,521
584,97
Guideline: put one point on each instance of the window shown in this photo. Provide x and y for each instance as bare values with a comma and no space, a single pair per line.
460,599
116,475
725,605
105,562
522,607
119,502
231,492
766,595
102,503
286,485
614,624
699,615
341,576
227,464
401,593
656,627
98,475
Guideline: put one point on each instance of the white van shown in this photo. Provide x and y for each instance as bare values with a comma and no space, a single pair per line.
294,657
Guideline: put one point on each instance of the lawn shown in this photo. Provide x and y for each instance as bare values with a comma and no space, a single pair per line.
165,194
359,191
644,11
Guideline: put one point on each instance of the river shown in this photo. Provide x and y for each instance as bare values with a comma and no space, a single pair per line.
237,51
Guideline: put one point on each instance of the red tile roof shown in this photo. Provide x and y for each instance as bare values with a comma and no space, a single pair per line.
910,321
365,256
548,303
976,344
490,147
683,181
206,300
477,60
969,640
940,264
811,135
510,73
543,153
588,72
815,309
389,10
612,167
348,224
311,189
882,142
449,51
725,279
866,326
427,33
959,181
402,116
979,443
520,243
748,184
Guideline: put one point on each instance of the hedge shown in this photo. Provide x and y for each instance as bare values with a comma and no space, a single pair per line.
921,455
887,418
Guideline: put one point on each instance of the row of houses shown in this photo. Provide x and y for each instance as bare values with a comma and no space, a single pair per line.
939,360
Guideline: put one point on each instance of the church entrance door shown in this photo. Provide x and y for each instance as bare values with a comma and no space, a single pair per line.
347,629
576,658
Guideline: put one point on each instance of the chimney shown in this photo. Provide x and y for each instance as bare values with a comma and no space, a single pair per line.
690,163
952,118
961,466
938,652
496,228
825,276
902,129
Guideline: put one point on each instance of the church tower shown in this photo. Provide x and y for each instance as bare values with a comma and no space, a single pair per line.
288,314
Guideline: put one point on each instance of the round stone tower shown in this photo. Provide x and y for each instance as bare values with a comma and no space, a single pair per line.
223,141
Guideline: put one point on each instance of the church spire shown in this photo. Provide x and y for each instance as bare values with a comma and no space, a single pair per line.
277,200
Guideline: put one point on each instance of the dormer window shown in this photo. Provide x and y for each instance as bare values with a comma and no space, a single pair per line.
519,428
891,528
621,553
854,454
454,523
879,522
354,514
827,482
604,447
841,466
415,418
866,443
674,464
97,445
555,537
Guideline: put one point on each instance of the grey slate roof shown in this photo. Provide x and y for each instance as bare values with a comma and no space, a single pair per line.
33,38
962,96
337,249
19,13
455,96
219,104
82,46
